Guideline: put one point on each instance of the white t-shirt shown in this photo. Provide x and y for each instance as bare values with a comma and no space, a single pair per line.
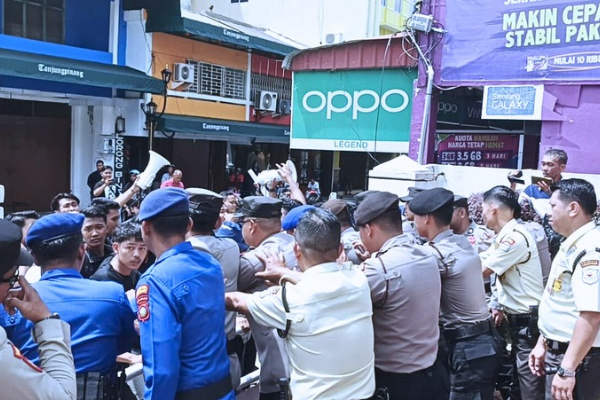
570,291
330,343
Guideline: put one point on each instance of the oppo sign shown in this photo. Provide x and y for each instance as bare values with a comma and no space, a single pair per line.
355,101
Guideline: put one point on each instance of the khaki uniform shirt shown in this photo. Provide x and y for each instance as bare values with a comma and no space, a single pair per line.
570,291
463,294
349,236
514,258
21,379
480,237
269,346
330,342
405,291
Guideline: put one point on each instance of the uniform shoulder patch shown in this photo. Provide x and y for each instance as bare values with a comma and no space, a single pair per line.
143,306
17,353
589,263
507,244
590,276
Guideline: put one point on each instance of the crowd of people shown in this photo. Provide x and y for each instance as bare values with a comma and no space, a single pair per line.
383,297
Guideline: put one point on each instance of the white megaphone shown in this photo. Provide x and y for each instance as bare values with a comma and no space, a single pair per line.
156,162
268,176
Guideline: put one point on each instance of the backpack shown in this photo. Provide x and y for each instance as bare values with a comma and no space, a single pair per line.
539,235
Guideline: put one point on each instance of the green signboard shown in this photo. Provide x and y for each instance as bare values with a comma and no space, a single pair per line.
352,110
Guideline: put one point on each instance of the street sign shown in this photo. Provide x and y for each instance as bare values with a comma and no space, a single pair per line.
352,110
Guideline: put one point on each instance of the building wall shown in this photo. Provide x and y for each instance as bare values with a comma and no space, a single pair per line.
307,21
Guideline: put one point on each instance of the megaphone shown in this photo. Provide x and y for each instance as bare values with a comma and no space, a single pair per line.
266,177
156,162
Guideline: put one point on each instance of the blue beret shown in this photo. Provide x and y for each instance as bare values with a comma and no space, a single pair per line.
54,226
164,202
231,230
290,221
431,200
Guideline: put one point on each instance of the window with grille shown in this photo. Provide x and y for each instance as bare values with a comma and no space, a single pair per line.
272,84
217,80
42,20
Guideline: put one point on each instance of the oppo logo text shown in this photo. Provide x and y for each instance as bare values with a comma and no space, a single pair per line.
354,102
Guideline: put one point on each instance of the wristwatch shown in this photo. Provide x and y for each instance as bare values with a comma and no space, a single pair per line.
565,373
52,316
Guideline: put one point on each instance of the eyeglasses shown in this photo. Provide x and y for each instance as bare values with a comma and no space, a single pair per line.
12,281
242,222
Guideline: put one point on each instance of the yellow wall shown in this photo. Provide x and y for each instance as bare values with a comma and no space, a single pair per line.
170,49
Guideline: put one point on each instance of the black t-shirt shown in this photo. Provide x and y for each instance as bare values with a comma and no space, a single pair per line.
107,273
93,178
91,263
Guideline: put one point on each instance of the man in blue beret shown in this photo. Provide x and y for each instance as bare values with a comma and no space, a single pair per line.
290,221
260,217
405,291
474,347
99,314
181,307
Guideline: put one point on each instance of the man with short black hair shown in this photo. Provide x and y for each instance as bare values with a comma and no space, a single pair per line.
205,207
181,307
349,235
405,292
65,202
112,210
474,346
106,187
24,220
129,253
568,350
479,236
95,176
327,303
94,235
99,314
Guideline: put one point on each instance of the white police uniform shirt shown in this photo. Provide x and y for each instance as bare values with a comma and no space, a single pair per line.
570,291
330,342
515,259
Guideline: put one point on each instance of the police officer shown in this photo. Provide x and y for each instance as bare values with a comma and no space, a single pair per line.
474,347
205,207
480,237
349,235
99,314
261,227
514,258
405,291
181,307
19,378
569,345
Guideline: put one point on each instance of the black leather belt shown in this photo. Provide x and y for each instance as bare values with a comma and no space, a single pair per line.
469,331
214,391
519,320
556,347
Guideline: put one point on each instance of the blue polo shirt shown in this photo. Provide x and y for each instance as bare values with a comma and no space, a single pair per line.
535,192
99,314
181,310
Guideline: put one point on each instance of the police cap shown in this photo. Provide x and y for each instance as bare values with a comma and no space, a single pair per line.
336,206
52,227
259,207
203,201
412,192
375,205
429,201
360,197
11,251
163,203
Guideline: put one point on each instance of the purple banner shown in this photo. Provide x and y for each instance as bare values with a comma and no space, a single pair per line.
521,40
476,150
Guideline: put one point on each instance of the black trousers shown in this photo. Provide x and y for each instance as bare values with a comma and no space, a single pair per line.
531,387
425,384
473,366
587,384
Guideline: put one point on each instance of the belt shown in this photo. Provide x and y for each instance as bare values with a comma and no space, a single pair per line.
556,347
95,386
519,320
214,391
476,329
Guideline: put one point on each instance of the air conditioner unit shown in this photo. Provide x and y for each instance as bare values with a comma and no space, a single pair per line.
266,101
333,38
184,73
284,106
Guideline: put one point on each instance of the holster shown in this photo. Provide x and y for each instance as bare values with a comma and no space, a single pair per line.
532,329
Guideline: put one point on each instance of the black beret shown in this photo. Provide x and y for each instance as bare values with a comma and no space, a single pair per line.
336,206
259,207
359,198
374,205
412,192
203,201
431,200
11,251
461,202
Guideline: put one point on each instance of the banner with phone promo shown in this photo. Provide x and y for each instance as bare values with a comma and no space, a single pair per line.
479,150
516,40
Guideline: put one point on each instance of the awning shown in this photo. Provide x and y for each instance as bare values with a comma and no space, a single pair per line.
225,128
210,28
65,70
